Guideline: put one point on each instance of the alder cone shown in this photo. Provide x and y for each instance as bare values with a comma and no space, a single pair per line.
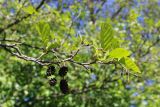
63,71
52,82
50,71
64,86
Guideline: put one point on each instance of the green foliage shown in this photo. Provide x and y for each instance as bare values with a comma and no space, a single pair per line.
113,63
43,30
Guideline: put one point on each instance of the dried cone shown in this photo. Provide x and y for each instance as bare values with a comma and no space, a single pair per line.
63,71
52,82
50,71
64,86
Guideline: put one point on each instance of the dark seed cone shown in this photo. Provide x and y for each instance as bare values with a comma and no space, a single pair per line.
50,71
52,68
63,71
52,82
64,86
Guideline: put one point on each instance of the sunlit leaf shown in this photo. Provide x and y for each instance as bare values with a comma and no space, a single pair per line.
130,64
29,9
119,53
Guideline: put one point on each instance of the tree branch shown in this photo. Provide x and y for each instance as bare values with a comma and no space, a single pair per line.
117,12
17,21
149,48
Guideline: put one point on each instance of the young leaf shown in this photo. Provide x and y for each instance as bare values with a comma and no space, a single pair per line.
115,43
129,63
119,53
106,36
43,30
46,31
29,9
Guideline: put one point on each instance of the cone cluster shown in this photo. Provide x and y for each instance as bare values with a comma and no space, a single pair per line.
62,73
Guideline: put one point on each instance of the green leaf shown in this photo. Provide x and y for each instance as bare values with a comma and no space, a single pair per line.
130,64
119,53
106,36
115,43
43,30
122,61
29,9
46,31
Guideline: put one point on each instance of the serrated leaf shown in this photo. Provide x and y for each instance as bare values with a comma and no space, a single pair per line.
119,53
130,64
106,36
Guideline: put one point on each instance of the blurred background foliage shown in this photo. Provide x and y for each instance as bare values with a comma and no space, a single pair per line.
64,25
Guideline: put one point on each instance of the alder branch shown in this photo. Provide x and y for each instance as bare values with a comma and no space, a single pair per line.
16,52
